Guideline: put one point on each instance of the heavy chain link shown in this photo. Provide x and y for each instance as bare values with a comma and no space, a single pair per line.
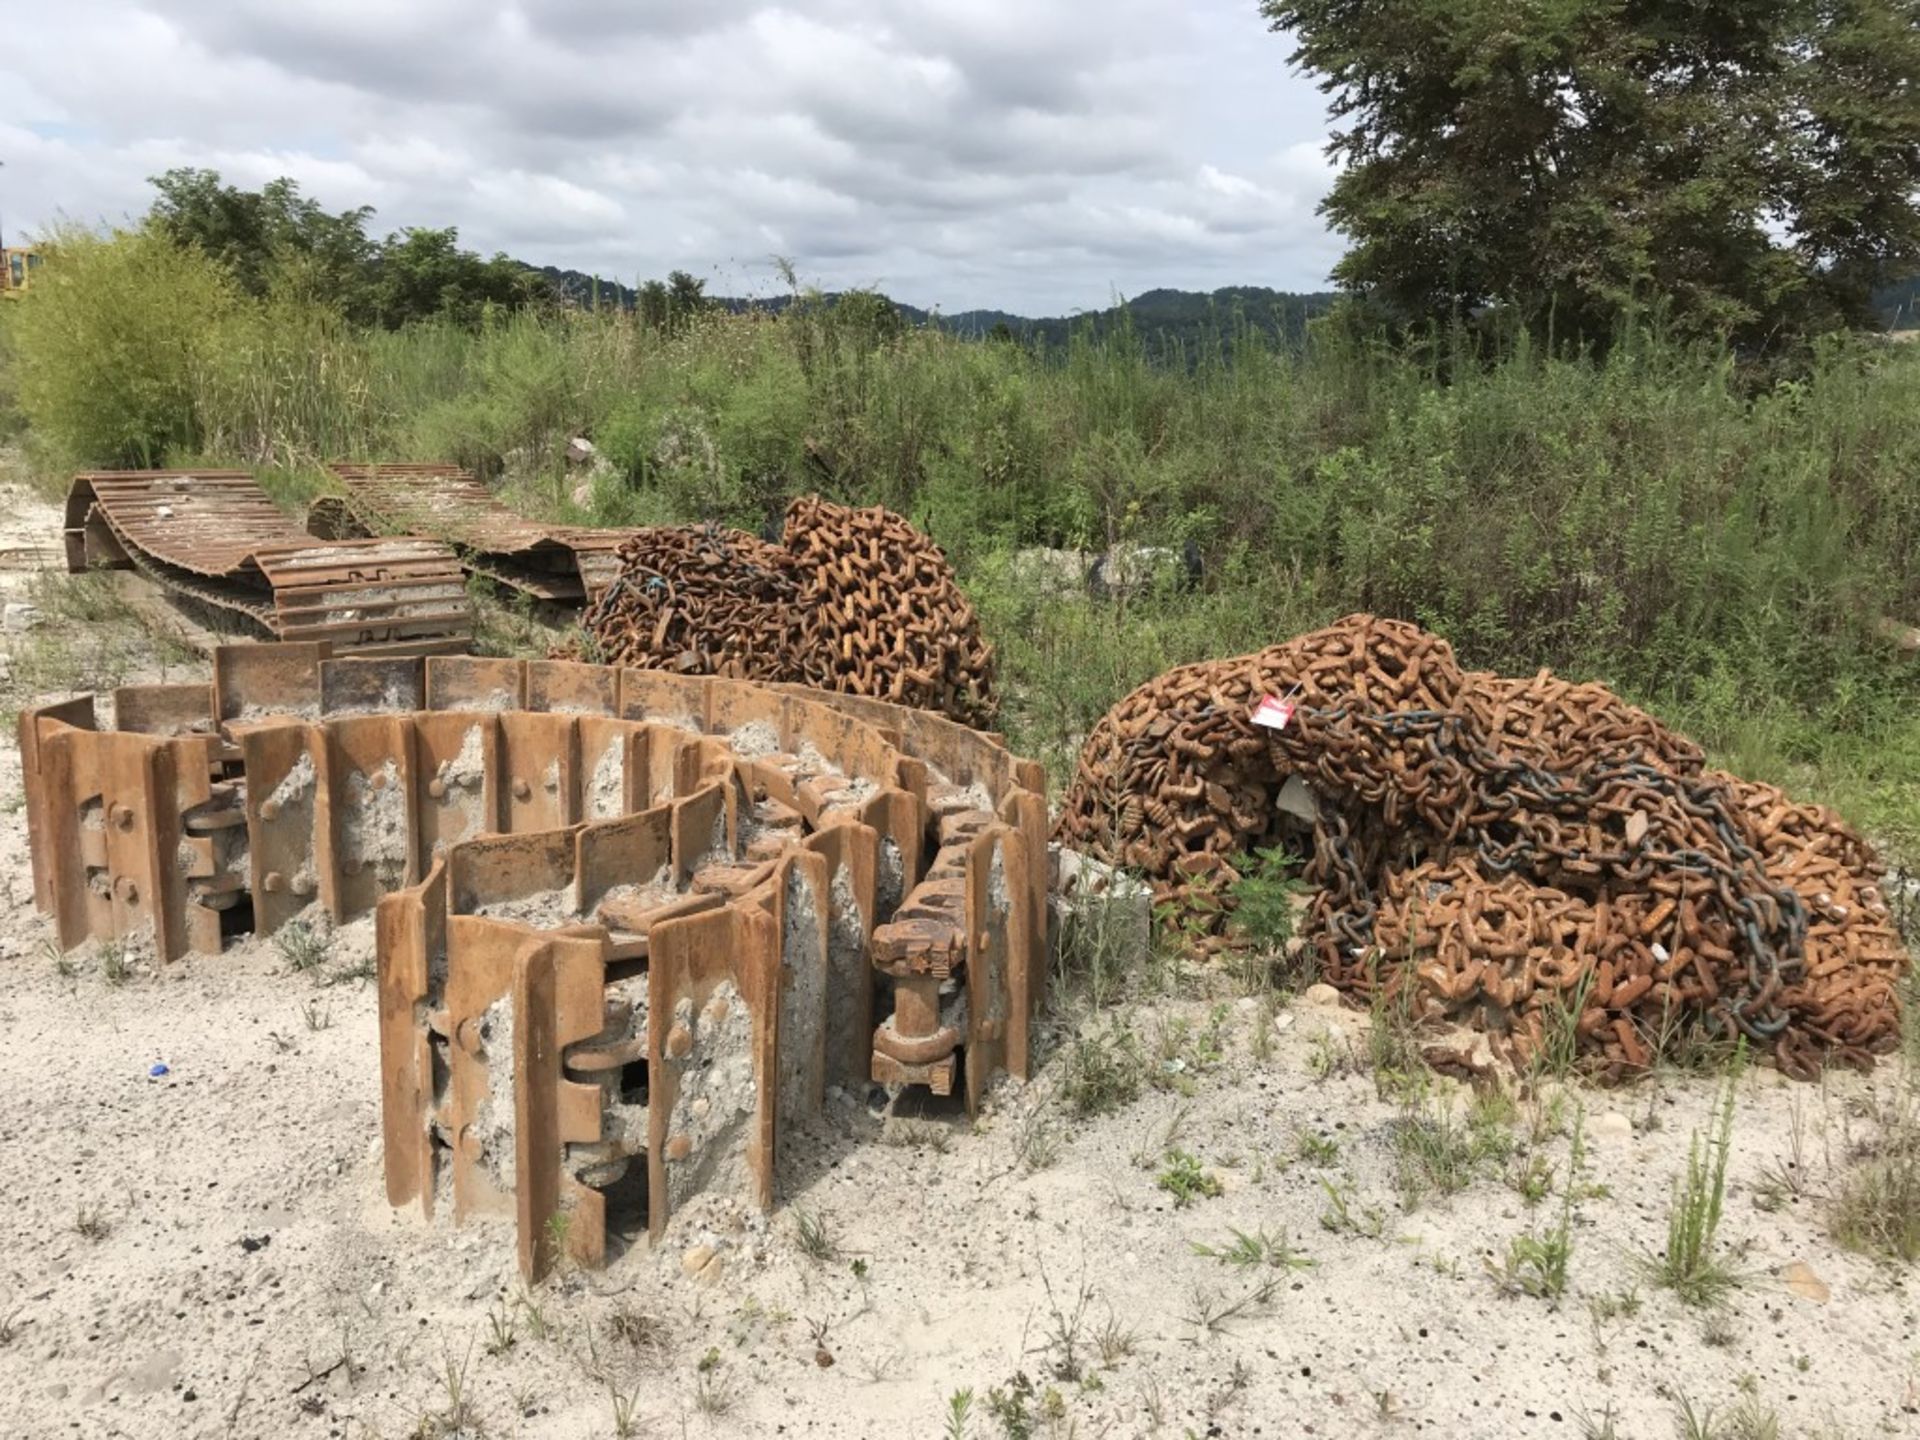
1531,857
856,601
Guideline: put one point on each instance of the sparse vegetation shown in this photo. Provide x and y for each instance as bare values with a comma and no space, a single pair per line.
816,1242
1104,1068
1536,1262
91,1223
1876,1202
1184,1178
302,946
1693,1266
1259,1248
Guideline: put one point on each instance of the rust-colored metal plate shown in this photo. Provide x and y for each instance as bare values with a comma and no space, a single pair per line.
561,563
213,538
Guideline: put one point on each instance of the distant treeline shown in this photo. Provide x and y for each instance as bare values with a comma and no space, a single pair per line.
1167,319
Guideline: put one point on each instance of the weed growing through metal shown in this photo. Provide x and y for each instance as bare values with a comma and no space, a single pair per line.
1183,1178
1264,899
63,965
1692,1266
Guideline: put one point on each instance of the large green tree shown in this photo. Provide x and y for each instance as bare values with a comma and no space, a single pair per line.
1752,165
277,240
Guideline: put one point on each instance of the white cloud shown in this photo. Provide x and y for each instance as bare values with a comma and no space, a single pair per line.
1034,155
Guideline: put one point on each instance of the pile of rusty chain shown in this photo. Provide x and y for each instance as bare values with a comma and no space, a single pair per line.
1534,858
883,614
702,600
856,601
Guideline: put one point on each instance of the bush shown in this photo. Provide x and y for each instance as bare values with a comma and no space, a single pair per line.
108,351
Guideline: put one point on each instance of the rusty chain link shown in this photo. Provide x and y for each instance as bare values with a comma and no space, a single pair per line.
857,601
1523,856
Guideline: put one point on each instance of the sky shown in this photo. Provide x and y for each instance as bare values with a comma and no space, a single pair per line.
1037,156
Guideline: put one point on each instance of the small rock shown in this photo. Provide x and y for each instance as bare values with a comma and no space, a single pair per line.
696,1259
1322,994
1611,1125
20,616
1803,1282
710,1273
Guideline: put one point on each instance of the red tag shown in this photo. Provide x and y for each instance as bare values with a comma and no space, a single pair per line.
1273,712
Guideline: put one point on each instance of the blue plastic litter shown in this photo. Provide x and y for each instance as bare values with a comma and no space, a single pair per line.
158,1070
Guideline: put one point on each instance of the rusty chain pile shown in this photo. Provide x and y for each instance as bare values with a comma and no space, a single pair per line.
700,599
856,601
883,615
1535,858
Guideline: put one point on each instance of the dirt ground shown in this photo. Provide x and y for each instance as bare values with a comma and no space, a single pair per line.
208,1250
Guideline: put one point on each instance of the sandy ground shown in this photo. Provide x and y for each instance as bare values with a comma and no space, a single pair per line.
209,1251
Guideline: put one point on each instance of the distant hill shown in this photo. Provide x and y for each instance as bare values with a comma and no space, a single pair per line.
1165,319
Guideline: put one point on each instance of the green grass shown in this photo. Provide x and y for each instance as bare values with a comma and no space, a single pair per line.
1717,552
1694,1265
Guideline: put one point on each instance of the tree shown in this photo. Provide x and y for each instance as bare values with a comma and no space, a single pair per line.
272,236
422,272
276,240
1751,165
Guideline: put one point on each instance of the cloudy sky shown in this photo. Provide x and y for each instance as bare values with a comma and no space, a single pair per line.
1039,156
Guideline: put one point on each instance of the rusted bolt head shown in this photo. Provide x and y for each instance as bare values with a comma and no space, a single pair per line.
269,809
467,1035
437,787
522,790
123,816
679,1147
274,882
379,780
679,1042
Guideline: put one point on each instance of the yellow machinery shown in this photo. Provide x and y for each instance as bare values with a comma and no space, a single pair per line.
17,266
